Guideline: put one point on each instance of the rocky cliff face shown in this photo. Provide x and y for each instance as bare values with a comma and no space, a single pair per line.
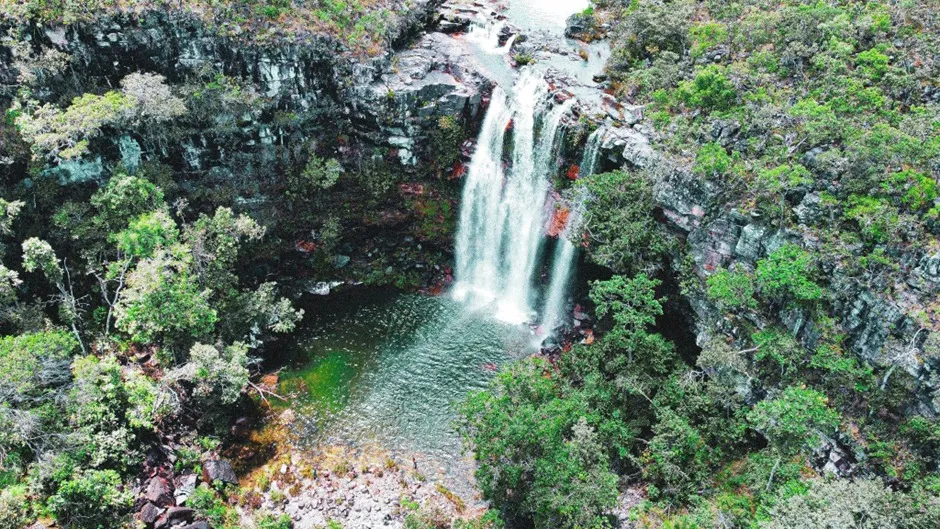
880,330
258,112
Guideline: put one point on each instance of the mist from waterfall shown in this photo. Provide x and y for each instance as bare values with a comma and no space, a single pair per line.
503,213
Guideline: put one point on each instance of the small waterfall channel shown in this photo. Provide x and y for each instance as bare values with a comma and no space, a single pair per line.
505,212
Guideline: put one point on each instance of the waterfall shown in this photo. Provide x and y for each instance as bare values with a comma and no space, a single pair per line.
566,252
487,38
502,216
591,150
562,266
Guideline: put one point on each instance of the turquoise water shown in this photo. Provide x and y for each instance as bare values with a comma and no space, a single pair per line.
380,367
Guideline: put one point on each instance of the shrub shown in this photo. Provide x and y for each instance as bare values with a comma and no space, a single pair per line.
35,361
649,28
860,503
94,499
712,161
786,275
14,509
732,290
877,219
270,521
709,91
625,234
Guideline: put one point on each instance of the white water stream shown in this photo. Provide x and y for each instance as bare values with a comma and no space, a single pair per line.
503,214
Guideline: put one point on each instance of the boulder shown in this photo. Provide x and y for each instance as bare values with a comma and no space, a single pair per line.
581,26
149,513
218,470
159,492
175,516
187,484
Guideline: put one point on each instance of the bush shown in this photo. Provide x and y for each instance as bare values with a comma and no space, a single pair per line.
732,290
785,275
710,91
625,234
94,499
860,503
14,509
712,161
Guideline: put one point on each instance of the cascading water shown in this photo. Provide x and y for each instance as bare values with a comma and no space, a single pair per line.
565,251
591,151
502,216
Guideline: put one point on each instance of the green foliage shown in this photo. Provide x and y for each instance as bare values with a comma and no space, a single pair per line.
147,233
91,500
633,306
445,142
642,33
794,420
110,408
163,302
23,359
62,135
877,219
122,200
318,175
705,36
786,275
677,460
270,521
710,90
38,255
208,505
538,457
219,376
14,508
624,233
712,161
732,290
862,503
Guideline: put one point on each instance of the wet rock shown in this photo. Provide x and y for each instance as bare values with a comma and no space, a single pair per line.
159,492
218,470
581,26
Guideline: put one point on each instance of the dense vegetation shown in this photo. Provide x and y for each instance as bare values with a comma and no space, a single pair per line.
364,27
135,304
819,119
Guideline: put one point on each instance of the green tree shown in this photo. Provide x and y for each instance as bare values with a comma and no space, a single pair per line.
795,420
163,302
538,457
624,233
